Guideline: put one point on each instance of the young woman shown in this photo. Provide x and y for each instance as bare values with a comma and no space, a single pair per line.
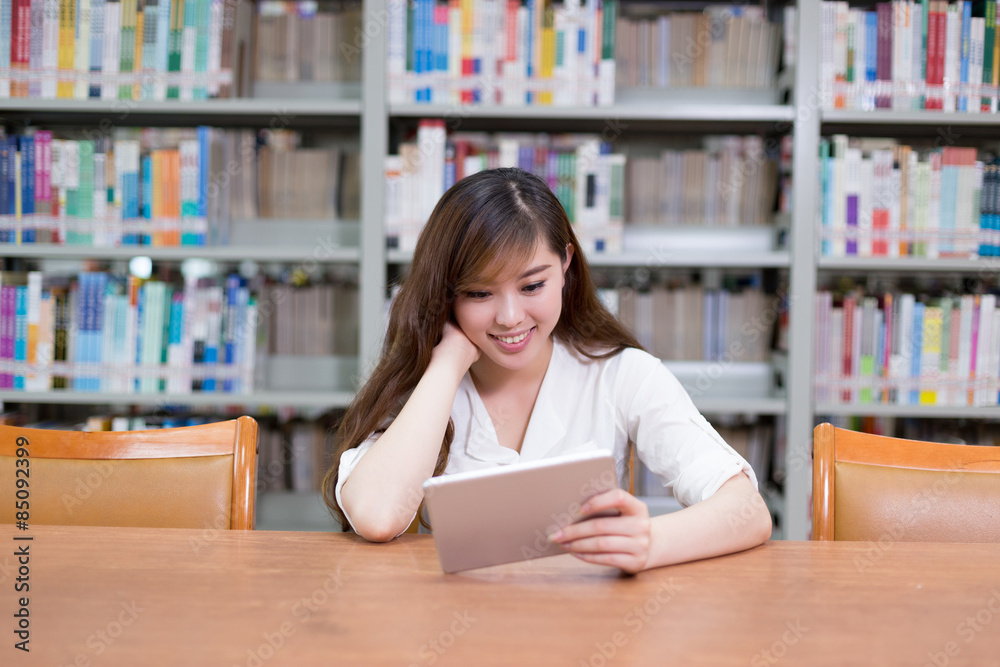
498,351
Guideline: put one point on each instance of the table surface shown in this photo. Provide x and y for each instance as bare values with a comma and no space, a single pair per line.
130,596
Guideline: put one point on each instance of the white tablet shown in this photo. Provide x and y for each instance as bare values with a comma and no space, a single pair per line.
505,514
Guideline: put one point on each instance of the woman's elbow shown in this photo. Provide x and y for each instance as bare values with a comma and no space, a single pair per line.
377,533
762,525
374,524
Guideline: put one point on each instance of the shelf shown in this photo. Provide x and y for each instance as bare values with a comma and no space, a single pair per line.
890,117
762,260
685,246
640,111
926,411
232,253
743,406
231,106
275,113
911,264
273,399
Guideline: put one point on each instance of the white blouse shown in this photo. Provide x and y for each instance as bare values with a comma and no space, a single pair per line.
586,404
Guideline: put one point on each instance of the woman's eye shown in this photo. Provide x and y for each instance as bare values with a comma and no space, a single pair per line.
534,287
477,295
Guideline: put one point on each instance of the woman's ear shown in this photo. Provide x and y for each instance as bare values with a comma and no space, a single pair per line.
569,258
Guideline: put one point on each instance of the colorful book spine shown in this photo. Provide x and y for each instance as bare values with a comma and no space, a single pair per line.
82,46
6,31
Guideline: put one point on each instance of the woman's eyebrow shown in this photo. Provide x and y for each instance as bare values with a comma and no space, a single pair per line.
531,272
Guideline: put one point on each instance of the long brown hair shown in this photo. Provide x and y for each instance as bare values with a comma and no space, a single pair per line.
483,227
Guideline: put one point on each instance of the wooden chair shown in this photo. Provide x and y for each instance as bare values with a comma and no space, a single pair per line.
871,488
191,477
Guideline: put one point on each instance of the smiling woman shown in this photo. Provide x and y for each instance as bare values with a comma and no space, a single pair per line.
498,351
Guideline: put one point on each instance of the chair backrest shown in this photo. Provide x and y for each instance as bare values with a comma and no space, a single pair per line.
872,487
189,477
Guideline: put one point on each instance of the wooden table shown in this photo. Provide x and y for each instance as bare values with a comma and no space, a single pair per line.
112,596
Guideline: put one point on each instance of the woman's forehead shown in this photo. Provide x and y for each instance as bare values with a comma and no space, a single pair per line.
514,264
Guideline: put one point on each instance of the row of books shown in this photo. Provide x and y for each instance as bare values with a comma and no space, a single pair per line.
911,54
687,322
273,174
955,431
501,52
721,47
909,350
753,439
165,186
123,49
580,169
294,456
307,41
99,332
881,198
131,188
317,319
728,181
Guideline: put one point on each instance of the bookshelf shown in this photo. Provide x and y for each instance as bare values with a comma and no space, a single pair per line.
812,268
364,109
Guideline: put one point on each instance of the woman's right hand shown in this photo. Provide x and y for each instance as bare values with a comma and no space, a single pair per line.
455,348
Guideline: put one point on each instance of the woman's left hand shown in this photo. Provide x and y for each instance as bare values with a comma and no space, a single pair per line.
619,541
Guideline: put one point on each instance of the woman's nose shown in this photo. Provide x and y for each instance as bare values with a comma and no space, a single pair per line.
509,313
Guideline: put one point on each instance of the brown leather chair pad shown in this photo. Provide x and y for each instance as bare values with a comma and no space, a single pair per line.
908,505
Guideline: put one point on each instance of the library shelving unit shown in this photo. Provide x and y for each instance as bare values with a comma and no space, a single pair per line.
636,112
288,242
810,268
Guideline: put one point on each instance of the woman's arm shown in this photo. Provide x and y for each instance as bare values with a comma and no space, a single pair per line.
733,519
384,490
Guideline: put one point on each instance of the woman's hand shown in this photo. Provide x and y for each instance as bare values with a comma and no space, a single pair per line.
619,541
455,348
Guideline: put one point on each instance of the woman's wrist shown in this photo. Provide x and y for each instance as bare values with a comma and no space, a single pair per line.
449,364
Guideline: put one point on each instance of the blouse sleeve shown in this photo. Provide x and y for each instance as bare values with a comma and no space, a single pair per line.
672,438
348,460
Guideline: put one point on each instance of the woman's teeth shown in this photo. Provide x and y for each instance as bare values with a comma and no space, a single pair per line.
511,341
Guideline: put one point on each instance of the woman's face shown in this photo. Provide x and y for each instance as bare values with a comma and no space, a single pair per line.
510,321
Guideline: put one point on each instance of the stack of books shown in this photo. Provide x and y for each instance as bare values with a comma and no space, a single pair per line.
721,47
688,322
316,320
501,52
165,186
883,199
907,54
580,169
99,332
726,181
308,41
124,49
908,350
